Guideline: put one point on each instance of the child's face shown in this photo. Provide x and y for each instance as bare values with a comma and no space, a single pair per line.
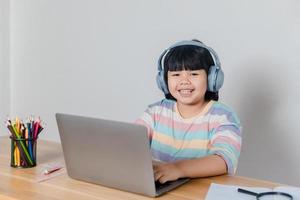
188,87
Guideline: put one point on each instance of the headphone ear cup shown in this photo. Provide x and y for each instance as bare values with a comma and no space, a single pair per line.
161,82
215,78
219,79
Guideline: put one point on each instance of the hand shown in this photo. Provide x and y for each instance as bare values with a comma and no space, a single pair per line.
166,172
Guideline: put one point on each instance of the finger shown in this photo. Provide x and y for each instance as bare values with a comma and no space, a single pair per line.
157,176
163,179
155,169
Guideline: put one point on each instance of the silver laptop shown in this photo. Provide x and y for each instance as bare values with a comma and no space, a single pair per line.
110,153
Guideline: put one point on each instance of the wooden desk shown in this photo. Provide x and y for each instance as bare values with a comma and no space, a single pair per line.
23,184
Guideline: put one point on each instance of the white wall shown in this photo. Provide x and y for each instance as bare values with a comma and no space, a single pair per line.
4,64
98,58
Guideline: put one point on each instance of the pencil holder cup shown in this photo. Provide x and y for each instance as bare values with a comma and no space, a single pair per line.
23,152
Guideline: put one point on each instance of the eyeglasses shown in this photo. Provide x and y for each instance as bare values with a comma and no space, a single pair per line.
268,195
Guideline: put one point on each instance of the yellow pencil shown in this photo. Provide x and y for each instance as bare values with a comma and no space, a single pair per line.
15,156
18,155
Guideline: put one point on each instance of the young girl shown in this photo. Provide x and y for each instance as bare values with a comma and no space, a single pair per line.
192,133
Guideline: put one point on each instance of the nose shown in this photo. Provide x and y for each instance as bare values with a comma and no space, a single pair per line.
185,79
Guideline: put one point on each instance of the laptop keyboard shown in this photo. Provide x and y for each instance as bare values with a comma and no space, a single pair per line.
159,185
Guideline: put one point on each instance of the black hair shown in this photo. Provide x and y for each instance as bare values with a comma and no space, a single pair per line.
189,57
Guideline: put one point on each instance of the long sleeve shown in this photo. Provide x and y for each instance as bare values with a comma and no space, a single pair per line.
226,139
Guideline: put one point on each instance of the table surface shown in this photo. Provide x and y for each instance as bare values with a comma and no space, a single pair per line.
16,183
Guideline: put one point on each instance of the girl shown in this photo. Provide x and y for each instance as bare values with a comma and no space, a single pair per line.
191,133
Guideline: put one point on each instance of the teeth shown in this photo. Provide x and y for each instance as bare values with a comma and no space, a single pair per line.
185,91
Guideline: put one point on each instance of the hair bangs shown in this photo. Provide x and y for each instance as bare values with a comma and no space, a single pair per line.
187,58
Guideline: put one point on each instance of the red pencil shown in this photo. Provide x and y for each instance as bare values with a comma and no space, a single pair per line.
49,171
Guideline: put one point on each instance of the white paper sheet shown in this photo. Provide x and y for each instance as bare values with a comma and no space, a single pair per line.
229,192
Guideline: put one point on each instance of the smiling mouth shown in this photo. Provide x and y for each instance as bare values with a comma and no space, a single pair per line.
185,91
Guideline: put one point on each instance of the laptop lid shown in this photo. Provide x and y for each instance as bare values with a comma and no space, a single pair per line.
110,153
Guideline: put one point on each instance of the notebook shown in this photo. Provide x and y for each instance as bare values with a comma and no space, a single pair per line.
110,153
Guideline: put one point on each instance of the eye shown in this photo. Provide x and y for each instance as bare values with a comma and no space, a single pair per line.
194,74
175,74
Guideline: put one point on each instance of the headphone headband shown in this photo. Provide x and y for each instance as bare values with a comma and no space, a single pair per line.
188,43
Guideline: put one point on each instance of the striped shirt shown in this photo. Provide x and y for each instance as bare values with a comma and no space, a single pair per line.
216,130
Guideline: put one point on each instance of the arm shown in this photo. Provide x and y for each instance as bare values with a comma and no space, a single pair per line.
211,165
